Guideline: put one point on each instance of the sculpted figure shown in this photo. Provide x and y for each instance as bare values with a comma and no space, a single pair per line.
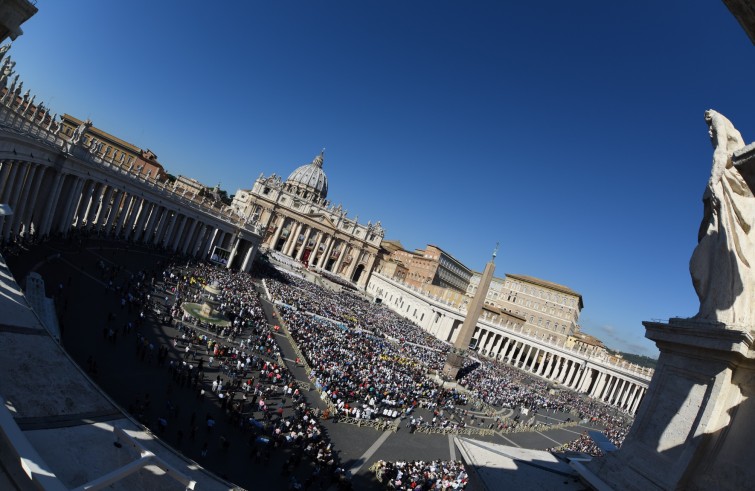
78,133
6,71
720,266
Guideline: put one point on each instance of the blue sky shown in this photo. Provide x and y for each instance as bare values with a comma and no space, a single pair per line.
571,132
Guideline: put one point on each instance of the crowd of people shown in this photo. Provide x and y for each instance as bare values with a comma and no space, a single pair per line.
362,373
366,357
234,372
421,475
615,429
367,360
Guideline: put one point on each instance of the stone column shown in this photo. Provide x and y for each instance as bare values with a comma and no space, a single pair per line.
47,216
608,386
32,214
616,395
207,247
113,210
564,370
4,174
189,237
136,213
556,368
149,228
313,255
303,244
123,214
548,365
356,256
546,360
236,241
502,353
166,239
97,205
598,382
104,205
246,266
528,359
489,340
632,394
291,241
73,200
326,252
200,240
176,239
278,230
367,271
570,374
512,352
519,355
7,186
341,255
147,209
591,375
18,184
86,204
625,394
28,202
583,379
496,346
638,400
162,222
482,337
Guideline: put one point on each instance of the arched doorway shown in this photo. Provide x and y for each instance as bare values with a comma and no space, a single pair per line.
357,273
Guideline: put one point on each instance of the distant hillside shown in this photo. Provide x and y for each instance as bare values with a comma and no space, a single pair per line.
643,361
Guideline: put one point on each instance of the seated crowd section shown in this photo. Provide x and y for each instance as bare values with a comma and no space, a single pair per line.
370,362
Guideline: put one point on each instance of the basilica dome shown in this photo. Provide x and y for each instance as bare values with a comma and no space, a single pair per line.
310,178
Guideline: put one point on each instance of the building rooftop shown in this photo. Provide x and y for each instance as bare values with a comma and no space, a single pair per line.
547,284
449,255
104,135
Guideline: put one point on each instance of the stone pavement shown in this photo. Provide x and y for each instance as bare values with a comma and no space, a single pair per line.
74,276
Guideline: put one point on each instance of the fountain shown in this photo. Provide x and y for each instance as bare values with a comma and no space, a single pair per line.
207,311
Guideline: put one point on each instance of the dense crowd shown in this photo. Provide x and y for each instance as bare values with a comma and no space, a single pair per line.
421,475
233,371
366,357
367,360
615,430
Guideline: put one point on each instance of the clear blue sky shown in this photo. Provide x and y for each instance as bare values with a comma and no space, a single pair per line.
571,132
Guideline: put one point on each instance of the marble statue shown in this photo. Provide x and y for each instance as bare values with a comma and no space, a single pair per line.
6,71
720,266
4,49
78,133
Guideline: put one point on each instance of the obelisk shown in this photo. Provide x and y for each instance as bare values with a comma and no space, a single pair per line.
455,359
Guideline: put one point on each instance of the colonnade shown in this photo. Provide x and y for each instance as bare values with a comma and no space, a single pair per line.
322,249
503,338
570,371
45,200
52,184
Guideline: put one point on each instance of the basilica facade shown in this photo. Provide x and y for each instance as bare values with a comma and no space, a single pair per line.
300,223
